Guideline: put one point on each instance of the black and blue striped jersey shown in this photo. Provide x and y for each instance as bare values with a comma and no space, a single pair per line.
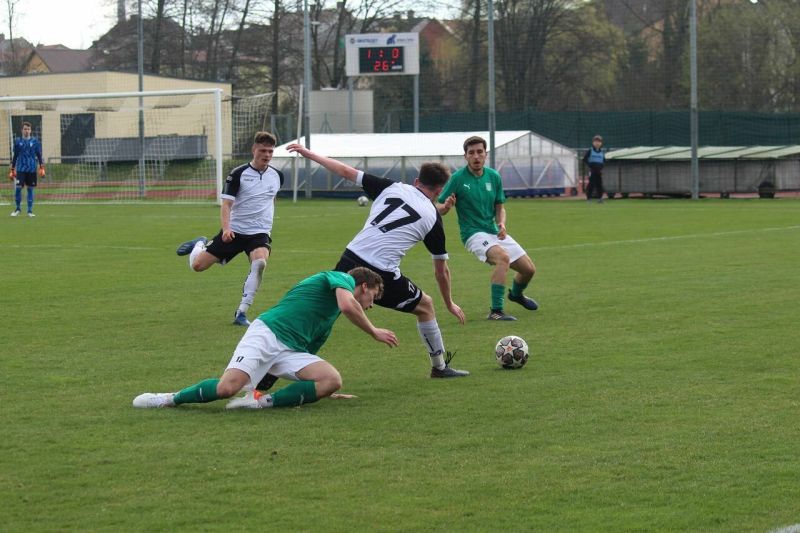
27,152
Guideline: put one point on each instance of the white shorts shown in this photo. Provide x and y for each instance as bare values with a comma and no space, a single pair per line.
260,352
480,243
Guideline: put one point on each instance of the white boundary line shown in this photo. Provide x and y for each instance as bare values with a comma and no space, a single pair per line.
668,238
561,247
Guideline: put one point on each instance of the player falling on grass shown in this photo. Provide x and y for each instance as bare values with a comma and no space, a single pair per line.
284,340
476,191
27,152
401,216
248,207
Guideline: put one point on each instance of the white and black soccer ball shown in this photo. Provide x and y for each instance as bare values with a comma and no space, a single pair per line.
362,200
511,352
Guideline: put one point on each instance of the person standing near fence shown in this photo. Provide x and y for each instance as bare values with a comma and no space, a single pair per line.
595,159
27,152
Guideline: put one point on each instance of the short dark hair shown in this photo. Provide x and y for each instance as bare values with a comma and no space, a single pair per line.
433,174
26,123
265,137
370,277
474,140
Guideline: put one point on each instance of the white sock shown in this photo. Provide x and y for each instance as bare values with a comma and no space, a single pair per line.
199,247
431,337
252,283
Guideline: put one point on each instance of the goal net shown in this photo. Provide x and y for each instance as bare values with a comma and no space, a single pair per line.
158,146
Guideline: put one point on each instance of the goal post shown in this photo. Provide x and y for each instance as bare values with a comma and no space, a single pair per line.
94,150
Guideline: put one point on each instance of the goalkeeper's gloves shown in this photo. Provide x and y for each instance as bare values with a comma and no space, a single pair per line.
12,174
42,172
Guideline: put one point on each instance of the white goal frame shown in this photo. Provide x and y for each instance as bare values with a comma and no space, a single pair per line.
216,92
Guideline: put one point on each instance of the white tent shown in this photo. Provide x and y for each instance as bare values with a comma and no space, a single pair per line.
528,163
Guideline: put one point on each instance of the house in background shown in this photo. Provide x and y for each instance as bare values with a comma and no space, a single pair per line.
57,59
12,54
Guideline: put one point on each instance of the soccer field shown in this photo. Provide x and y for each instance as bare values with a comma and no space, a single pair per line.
662,393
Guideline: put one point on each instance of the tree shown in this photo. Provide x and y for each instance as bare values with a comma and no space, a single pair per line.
523,30
748,59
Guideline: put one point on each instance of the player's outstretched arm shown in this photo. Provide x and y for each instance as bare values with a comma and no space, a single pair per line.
337,167
350,308
442,273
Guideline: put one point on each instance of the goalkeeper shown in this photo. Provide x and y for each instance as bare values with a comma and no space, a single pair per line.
26,154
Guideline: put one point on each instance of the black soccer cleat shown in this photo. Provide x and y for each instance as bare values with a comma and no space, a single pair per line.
448,372
187,247
528,303
499,314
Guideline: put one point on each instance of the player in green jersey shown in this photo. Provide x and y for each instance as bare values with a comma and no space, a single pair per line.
284,340
476,191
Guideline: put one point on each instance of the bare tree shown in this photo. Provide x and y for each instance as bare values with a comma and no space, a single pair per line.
524,28
155,61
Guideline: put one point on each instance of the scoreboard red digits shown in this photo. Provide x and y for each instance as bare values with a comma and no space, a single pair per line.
381,59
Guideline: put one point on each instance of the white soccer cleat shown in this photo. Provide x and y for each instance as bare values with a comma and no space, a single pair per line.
15,213
248,401
31,214
150,400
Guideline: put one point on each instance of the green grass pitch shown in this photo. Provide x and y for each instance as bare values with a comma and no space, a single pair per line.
662,394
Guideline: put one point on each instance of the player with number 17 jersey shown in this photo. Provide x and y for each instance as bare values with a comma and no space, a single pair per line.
401,216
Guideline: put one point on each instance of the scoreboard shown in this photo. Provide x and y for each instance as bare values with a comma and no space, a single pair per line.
376,54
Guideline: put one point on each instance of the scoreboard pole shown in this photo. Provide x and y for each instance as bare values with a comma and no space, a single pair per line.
416,103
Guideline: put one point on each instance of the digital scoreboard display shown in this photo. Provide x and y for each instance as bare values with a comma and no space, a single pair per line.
381,60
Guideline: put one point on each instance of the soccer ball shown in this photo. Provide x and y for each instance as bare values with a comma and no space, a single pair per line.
362,201
511,352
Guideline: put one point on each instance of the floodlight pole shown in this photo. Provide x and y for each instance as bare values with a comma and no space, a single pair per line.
492,122
693,99
140,53
306,89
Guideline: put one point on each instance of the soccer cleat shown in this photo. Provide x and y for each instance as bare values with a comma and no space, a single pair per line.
15,213
499,314
266,382
248,401
240,319
187,247
448,372
150,400
30,214
528,303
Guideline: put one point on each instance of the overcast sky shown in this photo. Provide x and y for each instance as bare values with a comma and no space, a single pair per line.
73,23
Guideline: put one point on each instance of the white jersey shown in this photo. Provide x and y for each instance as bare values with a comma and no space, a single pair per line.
253,193
400,217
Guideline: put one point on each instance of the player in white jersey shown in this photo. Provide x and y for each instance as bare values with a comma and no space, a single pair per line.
248,207
401,216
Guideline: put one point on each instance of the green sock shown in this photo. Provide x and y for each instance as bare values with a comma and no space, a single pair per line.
517,288
203,392
295,394
498,296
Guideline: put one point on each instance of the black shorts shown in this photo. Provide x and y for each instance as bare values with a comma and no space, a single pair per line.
225,251
26,179
399,294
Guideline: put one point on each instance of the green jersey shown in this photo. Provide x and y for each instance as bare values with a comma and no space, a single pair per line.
475,200
304,317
